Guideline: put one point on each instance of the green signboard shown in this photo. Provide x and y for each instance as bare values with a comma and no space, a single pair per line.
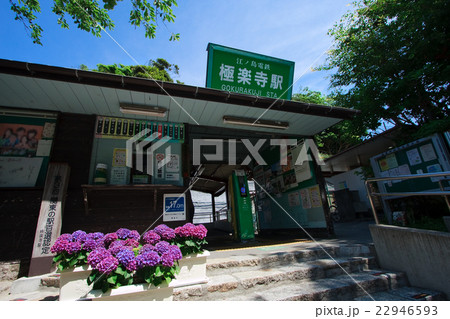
244,72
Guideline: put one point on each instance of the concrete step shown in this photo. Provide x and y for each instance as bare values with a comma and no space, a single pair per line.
243,282
41,293
406,294
243,262
326,289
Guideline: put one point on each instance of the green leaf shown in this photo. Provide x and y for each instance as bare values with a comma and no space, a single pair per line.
158,272
105,286
92,276
120,271
190,243
73,262
112,279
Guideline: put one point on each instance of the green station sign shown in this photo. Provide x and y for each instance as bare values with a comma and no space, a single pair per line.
245,72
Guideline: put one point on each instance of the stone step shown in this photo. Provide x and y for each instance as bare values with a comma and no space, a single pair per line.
241,282
230,264
339,288
406,294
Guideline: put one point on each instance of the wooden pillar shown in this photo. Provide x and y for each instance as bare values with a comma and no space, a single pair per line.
323,194
213,201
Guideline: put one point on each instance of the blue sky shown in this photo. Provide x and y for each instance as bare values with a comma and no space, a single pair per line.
293,30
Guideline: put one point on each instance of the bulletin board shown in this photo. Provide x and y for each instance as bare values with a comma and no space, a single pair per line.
293,187
109,147
25,148
423,156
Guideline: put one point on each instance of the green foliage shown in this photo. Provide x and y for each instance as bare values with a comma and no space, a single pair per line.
155,276
191,246
66,261
429,223
392,62
93,17
157,70
338,137
117,278
314,97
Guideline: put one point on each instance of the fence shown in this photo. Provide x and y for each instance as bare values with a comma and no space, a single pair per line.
441,192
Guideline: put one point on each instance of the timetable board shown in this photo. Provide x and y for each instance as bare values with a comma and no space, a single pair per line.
122,128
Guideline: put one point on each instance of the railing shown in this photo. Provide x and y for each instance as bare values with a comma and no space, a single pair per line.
442,191
220,214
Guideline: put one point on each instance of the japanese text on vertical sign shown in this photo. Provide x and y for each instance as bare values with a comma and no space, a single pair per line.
47,237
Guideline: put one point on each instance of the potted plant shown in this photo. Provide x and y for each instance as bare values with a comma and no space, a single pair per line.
126,266
71,252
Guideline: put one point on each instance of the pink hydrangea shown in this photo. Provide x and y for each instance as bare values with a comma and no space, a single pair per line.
151,237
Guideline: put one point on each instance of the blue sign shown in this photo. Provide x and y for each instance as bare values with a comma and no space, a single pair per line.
174,207
174,204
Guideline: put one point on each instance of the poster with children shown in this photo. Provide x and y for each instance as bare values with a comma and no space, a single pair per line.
19,139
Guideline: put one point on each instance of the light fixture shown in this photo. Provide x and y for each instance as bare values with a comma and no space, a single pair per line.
254,122
143,110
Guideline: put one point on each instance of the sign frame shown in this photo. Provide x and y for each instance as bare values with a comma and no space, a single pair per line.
175,213
253,61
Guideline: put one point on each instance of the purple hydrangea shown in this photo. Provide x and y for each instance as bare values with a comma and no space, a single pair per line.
167,259
100,243
131,242
148,259
109,238
134,235
73,247
116,246
176,252
151,237
146,248
90,244
67,237
79,236
126,258
107,265
97,255
165,232
60,246
95,236
162,247
123,233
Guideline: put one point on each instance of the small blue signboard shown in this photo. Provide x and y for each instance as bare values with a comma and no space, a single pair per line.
174,207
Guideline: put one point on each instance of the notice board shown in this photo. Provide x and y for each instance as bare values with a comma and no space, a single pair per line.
427,155
25,148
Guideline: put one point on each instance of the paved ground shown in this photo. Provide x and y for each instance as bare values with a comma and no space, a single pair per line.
221,246
356,232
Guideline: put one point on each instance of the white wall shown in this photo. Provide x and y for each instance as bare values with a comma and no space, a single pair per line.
353,182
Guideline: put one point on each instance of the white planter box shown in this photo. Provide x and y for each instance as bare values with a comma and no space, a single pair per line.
73,283
138,292
192,270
